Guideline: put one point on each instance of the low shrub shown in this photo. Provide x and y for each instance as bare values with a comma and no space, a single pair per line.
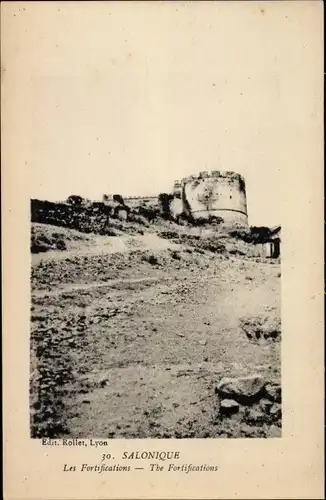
139,219
43,243
261,328
151,259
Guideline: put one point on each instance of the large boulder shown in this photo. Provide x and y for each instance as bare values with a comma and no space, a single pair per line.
243,389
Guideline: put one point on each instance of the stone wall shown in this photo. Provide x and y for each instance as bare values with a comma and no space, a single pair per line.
136,201
96,217
201,197
219,194
87,219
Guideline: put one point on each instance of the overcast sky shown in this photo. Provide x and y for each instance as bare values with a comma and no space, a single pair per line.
127,97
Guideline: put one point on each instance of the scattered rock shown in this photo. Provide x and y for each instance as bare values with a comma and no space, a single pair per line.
276,412
274,392
92,381
255,416
229,406
266,405
242,389
102,381
202,342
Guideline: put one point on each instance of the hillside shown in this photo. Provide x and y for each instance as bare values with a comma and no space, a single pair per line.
137,335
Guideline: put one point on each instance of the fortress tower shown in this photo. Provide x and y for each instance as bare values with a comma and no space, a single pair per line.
215,193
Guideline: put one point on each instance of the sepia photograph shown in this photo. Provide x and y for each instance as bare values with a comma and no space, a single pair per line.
155,236
162,206
156,317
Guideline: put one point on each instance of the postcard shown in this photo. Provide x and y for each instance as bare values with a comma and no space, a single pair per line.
162,168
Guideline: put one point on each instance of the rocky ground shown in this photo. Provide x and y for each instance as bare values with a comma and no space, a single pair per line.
149,337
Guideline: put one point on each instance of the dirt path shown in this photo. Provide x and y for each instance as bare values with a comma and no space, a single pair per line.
174,351
145,353
66,288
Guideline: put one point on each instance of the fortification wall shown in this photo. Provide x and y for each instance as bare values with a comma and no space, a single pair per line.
94,218
219,194
135,201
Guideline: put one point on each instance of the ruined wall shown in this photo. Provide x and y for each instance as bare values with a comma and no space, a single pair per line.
135,201
132,201
219,194
147,206
93,219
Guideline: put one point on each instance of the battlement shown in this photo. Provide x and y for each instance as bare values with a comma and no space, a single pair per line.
140,198
213,174
132,200
136,201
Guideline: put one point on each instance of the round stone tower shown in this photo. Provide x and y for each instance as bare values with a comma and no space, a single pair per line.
215,193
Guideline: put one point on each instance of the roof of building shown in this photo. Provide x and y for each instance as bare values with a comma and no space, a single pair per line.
275,232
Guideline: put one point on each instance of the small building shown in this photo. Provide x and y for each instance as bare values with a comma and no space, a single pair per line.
275,242
271,247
